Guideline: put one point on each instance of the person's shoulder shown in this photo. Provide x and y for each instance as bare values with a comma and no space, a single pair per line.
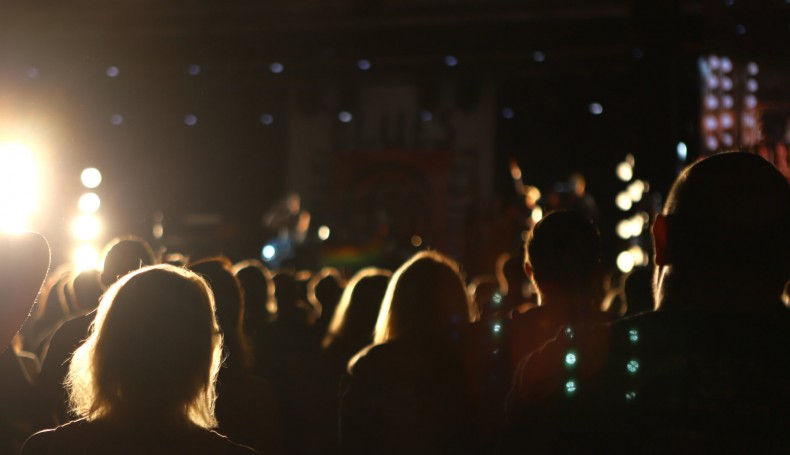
41,442
221,444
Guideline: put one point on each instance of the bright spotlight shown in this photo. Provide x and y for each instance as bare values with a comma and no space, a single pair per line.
91,177
537,214
323,233
268,252
639,255
623,201
18,186
636,189
86,227
86,257
89,203
625,261
625,171
682,151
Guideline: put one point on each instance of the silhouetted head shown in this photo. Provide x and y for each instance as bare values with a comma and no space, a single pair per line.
290,309
356,314
638,291
725,229
564,250
153,353
87,289
323,291
122,255
230,306
256,283
482,289
426,299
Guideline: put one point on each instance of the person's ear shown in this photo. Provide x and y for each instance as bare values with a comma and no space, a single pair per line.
660,240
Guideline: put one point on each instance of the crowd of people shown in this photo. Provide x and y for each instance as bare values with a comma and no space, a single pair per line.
171,355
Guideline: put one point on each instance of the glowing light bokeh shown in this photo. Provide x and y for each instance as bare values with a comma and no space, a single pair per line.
18,186
91,177
625,261
86,257
623,201
416,241
323,233
682,151
86,227
268,252
625,171
89,203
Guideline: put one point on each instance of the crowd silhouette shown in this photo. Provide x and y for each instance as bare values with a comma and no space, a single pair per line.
200,355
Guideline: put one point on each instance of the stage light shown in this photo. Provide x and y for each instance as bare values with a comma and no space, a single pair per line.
18,186
507,113
727,101
632,366
323,233
570,387
363,64
752,85
625,261
426,116
90,177
537,214
753,69
636,189
190,120
711,143
450,61
89,203
623,201
713,62
276,68
713,82
625,171
726,84
32,72
113,71
116,119
727,140
750,101
726,64
682,151
86,227
711,102
193,70
86,257
539,56
596,109
726,120
345,116
268,252
416,241
267,119
710,122
640,258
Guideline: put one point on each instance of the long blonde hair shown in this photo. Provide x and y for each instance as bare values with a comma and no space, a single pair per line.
153,353
426,298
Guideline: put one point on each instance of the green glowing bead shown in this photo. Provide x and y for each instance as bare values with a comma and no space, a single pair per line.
570,358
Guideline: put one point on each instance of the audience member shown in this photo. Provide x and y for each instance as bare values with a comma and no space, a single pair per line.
703,374
144,381
406,392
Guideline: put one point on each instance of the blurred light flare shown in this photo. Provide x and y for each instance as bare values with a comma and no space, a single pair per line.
116,119
86,257
89,203
596,109
113,71
323,233
451,61
190,120
276,67
19,186
268,252
267,119
363,64
345,117
86,227
682,151
625,171
625,261
416,241
91,177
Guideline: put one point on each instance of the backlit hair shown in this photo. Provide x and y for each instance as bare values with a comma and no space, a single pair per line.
154,351
426,298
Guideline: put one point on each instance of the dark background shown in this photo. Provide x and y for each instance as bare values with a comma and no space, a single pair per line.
638,59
